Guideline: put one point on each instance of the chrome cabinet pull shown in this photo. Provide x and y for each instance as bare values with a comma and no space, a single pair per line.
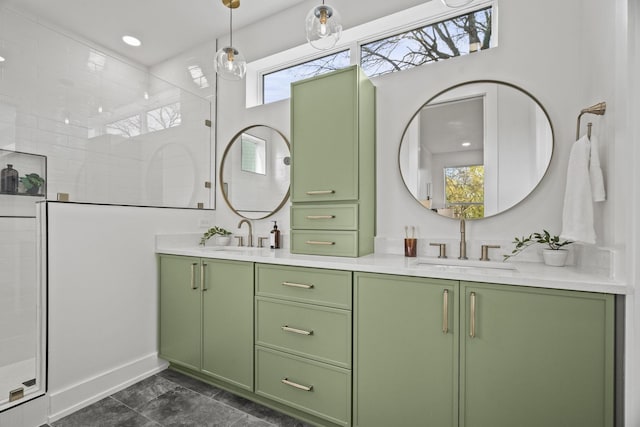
297,285
202,281
296,385
320,216
320,192
320,242
445,311
287,328
472,321
193,276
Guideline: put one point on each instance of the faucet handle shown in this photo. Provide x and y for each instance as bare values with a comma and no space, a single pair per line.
485,251
261,241
240,240
443,249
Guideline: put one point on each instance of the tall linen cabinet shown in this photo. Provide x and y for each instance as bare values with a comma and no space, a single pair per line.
333,164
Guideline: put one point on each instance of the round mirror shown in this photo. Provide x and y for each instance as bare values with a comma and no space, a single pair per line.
254,172
478,148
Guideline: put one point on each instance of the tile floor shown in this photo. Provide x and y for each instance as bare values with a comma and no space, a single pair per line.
170,398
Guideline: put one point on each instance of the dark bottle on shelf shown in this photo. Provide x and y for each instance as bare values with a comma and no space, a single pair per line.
9,180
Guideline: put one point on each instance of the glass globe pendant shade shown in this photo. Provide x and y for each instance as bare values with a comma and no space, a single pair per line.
456,3
230,64
323,27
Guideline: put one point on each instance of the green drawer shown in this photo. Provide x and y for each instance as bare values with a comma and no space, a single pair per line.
303,284
329,243
317,388
325,217
312,331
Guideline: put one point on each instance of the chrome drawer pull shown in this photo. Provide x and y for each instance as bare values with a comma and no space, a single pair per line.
286,328
320,216
297,285
193,276
319,242
296,385
320,192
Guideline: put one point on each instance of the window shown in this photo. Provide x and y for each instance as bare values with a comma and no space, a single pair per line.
127,128
442,40
277,85
425,33
464,187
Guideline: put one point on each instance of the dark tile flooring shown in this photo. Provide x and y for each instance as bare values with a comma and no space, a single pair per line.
170,398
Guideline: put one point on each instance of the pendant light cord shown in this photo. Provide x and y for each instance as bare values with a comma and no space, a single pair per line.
231,25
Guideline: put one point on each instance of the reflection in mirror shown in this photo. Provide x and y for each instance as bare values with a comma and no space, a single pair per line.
254,172
479,147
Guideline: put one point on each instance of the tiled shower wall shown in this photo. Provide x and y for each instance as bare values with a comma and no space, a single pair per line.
59,97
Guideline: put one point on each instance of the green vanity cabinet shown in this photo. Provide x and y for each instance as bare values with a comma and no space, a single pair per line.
405,351
535,357
517,356
206,317
333,164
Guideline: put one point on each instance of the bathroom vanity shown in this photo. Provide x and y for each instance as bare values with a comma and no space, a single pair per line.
376,339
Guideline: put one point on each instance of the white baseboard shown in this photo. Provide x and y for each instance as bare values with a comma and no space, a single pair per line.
68,400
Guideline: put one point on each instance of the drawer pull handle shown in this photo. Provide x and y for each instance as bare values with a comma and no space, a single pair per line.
193,276
296,385
445,311
320,216
320,242
320,192
287,328
297,285
472,325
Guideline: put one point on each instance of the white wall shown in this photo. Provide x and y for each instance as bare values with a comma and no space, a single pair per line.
103,297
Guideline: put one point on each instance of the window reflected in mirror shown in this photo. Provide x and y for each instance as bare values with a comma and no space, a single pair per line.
464,188
254,154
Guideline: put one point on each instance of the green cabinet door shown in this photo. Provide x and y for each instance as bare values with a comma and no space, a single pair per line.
535,357
324,117
180,328
405,351
227,352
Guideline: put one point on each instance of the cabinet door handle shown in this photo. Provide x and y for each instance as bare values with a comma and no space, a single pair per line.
193,276
320,192
287,328
296,385
297,285
472,320
445,311
202,281
320,216
320,242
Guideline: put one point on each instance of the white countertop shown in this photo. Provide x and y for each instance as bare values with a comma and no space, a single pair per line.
524,274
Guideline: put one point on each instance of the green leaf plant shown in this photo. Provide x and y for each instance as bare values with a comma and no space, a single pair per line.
213,231
545,238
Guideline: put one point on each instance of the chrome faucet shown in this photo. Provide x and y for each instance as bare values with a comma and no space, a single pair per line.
463,234
250,237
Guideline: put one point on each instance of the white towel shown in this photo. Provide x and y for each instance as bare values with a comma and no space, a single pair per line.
577,214
595,172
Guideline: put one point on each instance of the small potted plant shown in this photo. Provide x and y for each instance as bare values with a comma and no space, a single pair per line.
222,236
553,255
32,183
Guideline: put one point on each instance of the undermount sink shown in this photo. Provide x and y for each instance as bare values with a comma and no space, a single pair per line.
233,249
460,264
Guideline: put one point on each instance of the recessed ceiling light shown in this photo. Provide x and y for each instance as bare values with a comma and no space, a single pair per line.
131,41
466,144
2,59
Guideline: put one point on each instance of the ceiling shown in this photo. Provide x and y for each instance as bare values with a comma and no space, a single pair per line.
166,27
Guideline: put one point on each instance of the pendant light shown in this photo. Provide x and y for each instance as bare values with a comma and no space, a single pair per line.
229,63
323,26
456,3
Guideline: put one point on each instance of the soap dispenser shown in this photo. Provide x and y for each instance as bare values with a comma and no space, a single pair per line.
9,180
274,238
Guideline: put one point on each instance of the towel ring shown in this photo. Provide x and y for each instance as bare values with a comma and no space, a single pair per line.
598,109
